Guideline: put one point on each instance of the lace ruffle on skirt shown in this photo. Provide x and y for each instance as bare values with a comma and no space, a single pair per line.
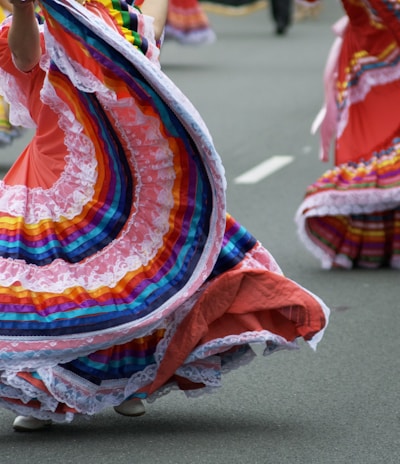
127,276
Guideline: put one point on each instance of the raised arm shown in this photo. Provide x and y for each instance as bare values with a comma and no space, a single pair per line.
6,5
158,9
23,38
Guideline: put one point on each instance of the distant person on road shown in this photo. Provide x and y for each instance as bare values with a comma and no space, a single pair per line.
350,216
122,277
282,13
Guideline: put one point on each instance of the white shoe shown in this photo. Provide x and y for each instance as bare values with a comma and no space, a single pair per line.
133,408
29,424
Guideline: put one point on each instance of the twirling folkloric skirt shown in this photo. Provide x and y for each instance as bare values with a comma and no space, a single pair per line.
350,216
127,277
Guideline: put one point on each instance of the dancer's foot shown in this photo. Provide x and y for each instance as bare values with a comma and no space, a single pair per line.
29,424
133,408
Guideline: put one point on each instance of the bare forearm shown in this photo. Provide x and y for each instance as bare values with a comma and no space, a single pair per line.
6,5
23,38
158,9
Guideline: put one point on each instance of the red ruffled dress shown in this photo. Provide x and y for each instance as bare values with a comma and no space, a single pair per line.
350,216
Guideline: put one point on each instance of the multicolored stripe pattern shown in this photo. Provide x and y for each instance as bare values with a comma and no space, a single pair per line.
130,294
236,243
185,255
351,215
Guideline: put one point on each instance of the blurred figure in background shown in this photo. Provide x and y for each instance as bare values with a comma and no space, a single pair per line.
282,11
188,24
350,216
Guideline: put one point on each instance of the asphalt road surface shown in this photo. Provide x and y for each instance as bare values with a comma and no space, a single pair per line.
258,94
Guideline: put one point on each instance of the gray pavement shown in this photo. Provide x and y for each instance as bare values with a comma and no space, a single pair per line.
339,405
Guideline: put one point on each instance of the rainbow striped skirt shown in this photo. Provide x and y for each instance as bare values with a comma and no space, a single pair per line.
126,276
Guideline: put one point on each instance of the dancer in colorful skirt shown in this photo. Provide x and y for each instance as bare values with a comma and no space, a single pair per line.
188,24
122,277
350,216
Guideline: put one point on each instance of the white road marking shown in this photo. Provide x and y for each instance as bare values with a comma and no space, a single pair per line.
264,169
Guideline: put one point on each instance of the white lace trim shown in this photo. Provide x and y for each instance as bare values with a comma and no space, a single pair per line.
29,351
71,191
44,414
344,203
223,344
205,36
340,203
38,352
18,113
260,258
68,388
203,365
148,149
